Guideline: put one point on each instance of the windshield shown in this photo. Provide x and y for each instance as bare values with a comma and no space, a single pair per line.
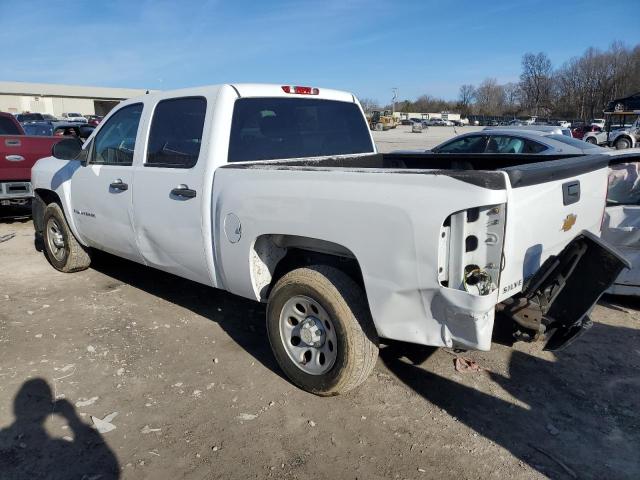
574,142
279,128
624,184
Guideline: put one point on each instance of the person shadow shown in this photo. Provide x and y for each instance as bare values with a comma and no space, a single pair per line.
27,451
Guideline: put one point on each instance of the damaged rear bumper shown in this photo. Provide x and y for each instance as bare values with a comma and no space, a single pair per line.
555,303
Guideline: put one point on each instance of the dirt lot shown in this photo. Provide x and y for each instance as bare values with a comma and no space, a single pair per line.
188,372
402,137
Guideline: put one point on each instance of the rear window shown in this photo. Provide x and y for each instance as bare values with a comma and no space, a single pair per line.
38,129
279,128
7,127
573,142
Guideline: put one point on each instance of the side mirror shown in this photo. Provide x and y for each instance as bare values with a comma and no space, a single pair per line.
67,149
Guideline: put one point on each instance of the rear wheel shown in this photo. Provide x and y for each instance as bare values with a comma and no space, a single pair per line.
321,331
61,248
591,140
622,143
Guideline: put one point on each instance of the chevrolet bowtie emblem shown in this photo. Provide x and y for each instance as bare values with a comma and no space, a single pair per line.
569,222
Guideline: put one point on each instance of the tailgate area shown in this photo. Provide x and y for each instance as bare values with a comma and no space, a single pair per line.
549,204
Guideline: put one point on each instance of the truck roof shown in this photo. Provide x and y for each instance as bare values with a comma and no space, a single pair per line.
257,90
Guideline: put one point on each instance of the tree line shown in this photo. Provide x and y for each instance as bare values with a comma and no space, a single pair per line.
580,88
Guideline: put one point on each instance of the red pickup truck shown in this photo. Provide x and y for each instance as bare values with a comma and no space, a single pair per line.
18,153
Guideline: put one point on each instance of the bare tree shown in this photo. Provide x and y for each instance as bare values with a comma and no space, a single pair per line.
368,104
512,98
466,96
536,81
490,98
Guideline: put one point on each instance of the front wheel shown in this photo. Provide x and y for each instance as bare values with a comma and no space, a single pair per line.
61,248
320,330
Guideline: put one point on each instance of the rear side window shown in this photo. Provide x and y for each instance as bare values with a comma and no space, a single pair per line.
509,144
7,127
280,128
176,132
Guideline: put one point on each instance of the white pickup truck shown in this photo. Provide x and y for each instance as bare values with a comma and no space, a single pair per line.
277,193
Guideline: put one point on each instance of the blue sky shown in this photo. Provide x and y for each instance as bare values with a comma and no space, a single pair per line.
366,47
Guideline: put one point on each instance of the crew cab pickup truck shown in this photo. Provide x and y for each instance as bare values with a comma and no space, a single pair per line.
18,153
277,194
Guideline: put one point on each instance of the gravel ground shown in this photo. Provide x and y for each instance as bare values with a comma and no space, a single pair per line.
186,387
401,137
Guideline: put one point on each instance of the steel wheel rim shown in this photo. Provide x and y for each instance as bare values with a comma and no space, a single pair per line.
308,335
55,239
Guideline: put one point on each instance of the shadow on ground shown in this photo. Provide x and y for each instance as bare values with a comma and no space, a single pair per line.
15,214
583,408
28,452
243,320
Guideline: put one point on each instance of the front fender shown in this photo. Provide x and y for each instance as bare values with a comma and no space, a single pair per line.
52,174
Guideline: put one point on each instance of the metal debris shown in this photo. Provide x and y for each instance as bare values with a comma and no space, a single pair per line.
466,365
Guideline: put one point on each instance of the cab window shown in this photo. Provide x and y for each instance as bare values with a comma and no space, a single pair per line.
114,143
176,132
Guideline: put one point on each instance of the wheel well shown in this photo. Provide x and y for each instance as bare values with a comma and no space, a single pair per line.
272,256
42,198
623,137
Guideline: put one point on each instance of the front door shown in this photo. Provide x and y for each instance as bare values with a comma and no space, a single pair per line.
101,191
169,193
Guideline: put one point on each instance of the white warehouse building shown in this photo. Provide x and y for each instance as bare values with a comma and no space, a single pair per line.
19,97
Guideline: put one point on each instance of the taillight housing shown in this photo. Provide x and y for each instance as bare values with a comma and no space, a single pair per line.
300,90
470,249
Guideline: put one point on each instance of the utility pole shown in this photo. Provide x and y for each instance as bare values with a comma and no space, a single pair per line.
394,98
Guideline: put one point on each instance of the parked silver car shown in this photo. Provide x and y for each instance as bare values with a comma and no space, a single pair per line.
538,128
511,140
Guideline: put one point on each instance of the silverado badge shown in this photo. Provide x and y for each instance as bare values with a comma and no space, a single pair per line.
569,222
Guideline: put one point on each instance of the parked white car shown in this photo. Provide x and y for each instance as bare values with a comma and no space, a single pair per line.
73,117
277,194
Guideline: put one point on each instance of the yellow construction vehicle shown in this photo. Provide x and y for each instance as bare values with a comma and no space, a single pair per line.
382,120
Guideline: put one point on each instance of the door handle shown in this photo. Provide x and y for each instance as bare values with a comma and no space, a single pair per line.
183,191
14,158
119,185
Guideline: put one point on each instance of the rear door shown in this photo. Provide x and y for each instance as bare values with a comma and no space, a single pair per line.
101,190
169,194
548,204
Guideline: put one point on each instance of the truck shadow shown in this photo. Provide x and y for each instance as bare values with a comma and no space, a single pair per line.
242,319
583,408
15,214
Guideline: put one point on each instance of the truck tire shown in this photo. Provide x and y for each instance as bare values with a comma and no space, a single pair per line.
591,140
61,247
320,330
622,143
379,127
